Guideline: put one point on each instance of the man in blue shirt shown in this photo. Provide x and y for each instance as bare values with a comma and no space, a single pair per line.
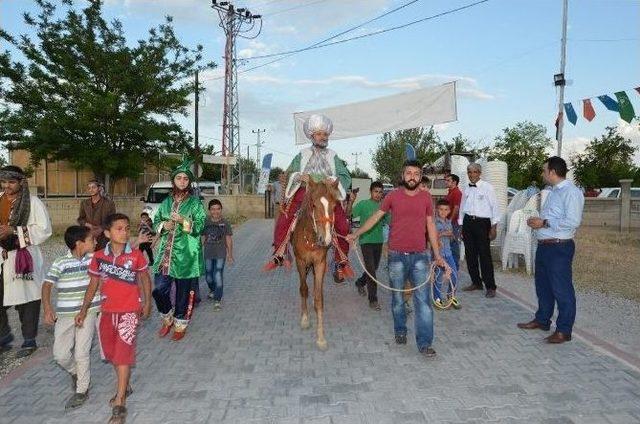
555,228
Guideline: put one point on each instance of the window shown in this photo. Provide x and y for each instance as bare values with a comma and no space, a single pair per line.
635,193
157,195
614,194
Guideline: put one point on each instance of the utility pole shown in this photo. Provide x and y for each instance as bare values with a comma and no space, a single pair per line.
235,23
258,144
356,154
197,145
559,80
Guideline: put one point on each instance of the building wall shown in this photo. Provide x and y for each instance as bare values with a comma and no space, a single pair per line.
64,210
606,213
61,179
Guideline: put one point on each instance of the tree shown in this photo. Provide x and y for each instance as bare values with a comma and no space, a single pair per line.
524,149
359,173
83,95
605,161
389,155
273,174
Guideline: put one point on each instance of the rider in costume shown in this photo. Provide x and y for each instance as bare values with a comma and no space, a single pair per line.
319,163
179,222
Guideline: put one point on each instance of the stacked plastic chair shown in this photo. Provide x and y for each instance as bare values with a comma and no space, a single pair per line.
519,240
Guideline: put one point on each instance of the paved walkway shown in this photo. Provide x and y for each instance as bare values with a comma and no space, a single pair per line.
251,363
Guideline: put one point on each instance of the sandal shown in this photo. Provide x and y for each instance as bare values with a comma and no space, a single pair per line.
127,393
118,414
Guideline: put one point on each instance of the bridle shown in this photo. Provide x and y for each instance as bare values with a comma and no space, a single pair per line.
323,220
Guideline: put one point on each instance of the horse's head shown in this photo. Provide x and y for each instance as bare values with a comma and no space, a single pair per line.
323,197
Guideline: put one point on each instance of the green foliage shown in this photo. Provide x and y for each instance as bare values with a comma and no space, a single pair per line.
85,96
389,155
605,161
273,174
359,173
524,148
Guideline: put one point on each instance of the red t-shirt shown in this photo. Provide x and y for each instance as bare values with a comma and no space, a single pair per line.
454,197
119,291
408,219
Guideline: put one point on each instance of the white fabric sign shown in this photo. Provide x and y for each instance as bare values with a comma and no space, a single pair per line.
420,108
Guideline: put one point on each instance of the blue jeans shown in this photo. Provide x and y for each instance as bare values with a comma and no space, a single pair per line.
413,267
554,284
214,268
162,294
455,244
437,288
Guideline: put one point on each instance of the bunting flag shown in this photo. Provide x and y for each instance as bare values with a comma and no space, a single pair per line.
626,108
410,152
621,104
558,119
609,103
571,113
587,110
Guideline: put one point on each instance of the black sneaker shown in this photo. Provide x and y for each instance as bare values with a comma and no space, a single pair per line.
76,400
428,352
401,339
26,351
374,305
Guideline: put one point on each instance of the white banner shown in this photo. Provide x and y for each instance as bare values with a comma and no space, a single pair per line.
420,108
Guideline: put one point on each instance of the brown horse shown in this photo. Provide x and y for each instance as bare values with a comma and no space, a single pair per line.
311,239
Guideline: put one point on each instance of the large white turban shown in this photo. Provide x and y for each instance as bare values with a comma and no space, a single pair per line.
316,123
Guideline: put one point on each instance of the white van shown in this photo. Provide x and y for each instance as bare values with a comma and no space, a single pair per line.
159,191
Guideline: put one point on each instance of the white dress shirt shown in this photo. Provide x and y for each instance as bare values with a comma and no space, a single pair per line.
479,201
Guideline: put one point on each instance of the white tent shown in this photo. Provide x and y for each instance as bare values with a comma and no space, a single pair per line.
419,108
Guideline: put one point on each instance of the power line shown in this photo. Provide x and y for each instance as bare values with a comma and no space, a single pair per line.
370,34
300,6
350,29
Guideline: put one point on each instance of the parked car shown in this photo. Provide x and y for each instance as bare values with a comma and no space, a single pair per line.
614,192
159,191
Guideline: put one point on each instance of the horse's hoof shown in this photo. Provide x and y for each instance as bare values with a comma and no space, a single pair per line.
322,344
304,323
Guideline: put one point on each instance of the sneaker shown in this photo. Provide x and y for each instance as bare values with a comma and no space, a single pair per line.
428,352
401,339
26,351
217,306
74,382
455,303
438,304
210,296
374,305
76,400
362,291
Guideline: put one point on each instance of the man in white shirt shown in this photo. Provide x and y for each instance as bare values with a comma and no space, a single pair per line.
479,218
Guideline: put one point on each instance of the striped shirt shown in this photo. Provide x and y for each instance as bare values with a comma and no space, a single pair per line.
69,275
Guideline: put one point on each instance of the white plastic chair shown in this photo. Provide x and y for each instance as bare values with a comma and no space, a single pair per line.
519,240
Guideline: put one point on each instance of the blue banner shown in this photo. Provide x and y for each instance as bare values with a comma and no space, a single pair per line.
571,113
264,173
410,152
609,103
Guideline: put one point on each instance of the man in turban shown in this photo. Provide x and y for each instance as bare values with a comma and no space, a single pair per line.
179,222
24,224
319,163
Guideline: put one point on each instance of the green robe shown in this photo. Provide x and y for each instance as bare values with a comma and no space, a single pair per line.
186,256
339,168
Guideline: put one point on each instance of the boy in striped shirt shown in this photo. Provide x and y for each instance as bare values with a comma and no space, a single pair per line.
69,276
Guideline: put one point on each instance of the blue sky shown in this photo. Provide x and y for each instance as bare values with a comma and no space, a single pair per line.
503,52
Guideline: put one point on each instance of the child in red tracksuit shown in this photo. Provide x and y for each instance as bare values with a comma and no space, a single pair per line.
122,271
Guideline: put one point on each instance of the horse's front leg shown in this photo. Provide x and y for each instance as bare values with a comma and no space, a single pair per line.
319,269
304,294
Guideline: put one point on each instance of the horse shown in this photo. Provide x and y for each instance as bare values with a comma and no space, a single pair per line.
311,238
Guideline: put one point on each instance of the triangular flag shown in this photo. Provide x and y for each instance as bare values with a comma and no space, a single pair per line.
587,110
626,108
609,103
410,152
558,119
571,113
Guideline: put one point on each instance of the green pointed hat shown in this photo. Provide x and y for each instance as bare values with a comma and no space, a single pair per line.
184,167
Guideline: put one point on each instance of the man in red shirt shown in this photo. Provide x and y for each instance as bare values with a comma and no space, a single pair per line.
411,211
454,197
